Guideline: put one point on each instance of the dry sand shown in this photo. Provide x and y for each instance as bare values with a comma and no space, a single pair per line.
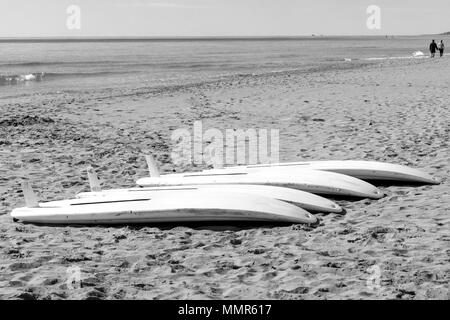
397,247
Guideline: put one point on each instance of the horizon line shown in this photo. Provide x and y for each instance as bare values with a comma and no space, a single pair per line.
169,38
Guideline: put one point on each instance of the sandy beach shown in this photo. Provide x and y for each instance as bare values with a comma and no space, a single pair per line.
395,248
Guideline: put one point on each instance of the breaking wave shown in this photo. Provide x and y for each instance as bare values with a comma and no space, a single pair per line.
6,80
16,79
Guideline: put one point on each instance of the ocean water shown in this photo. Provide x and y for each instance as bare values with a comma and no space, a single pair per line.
55,66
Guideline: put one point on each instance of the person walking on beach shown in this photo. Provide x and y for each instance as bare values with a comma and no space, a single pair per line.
433,47
441,48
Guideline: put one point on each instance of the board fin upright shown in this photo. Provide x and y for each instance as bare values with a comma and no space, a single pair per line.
152,166
93,180
31,199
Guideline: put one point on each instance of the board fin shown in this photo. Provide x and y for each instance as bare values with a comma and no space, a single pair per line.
152,166
94,183
31,199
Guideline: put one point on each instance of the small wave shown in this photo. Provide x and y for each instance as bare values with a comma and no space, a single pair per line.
415,55
54,63
22,64
338,59
16,79
6,80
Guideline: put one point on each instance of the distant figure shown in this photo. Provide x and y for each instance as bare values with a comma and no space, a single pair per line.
441,48
433,48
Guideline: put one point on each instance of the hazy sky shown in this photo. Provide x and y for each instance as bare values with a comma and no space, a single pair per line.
41,18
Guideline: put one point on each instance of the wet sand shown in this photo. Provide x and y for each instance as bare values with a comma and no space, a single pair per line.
393,248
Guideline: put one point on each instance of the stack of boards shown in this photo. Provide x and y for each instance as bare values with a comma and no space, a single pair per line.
284,192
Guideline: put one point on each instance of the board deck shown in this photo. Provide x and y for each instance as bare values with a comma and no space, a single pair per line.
188,206
313,181
305,200
365,170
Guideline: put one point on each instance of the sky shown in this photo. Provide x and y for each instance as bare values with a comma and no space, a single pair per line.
195,18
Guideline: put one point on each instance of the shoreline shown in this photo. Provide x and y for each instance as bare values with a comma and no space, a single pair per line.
388,111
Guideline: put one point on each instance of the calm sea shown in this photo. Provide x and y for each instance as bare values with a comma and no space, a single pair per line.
28,67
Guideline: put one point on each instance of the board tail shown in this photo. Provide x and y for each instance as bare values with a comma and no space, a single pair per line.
93,180
31,199
152,166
